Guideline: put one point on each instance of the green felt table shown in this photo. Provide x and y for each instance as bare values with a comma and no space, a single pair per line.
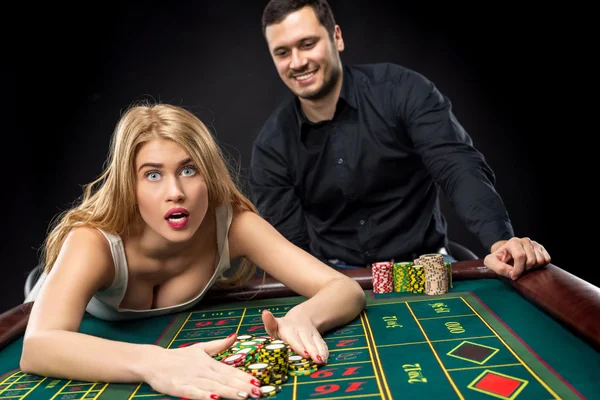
486,338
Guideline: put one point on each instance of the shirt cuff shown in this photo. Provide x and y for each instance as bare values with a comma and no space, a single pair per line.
493,231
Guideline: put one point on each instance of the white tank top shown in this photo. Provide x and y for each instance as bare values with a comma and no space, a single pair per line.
105,303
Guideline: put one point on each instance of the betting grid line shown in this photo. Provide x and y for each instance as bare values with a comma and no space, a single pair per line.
241,319
371,337
101,391
83,396
23,374
240,308
358,396
92,386
339,380
61,389
179,330
375,369
446,316
12,383
349,363
437,357
435,341
543,383
295,388
89,390
486,367
414,298
195,329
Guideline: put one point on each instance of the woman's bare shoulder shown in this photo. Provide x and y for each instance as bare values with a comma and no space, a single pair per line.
86,250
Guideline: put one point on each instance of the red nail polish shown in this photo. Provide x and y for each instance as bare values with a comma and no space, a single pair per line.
306,352
319,358
214,397
232,335
257,391
255,382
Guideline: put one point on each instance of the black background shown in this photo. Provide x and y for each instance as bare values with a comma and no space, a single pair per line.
513,75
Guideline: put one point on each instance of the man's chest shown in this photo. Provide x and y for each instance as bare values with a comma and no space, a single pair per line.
351,157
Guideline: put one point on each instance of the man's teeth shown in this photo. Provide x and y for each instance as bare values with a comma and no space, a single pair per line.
305,76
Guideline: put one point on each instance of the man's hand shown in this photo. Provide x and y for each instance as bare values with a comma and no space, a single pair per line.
510,258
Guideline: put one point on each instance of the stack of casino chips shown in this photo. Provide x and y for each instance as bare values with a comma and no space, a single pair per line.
269,360
416,278
299,366
402,276
275,355
436,274
409,276
383,277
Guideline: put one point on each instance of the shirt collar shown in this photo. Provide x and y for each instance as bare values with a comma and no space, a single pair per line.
347,97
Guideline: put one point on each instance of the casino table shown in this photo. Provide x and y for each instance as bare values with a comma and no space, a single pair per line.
486,338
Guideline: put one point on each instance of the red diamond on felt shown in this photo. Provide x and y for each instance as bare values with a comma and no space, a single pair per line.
498,384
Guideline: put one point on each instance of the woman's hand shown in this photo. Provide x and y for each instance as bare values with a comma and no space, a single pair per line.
299,332
191,373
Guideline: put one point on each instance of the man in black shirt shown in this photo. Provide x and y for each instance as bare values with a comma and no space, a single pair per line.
349,167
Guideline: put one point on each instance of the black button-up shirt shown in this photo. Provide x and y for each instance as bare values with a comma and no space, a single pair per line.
364,186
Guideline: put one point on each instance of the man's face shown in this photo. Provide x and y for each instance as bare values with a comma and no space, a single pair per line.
306,58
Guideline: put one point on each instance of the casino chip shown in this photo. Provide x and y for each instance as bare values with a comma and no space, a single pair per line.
269,360
269,390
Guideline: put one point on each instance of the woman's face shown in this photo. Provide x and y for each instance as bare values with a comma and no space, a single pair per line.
172,196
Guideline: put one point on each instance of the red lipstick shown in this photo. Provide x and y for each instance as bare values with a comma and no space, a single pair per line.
177,218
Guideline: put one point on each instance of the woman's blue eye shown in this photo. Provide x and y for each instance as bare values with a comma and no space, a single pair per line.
188,171
153,176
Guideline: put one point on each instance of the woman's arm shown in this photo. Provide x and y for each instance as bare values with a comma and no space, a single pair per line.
333,298
53,346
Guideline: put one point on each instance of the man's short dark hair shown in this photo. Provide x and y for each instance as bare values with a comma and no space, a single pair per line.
277,10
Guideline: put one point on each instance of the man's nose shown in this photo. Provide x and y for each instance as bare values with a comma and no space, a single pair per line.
298,60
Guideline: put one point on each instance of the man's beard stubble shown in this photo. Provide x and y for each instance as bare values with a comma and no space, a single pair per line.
325,89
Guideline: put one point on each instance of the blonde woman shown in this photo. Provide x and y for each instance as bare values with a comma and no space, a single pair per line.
158,228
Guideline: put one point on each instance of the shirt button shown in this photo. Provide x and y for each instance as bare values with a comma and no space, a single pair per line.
340,160
367,253
362,222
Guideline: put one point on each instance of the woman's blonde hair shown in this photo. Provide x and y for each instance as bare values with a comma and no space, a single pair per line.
109,202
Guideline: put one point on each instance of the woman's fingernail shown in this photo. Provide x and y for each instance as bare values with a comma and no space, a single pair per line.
243,395
232,335
214,397
319,358
255,382
257,391
306,352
